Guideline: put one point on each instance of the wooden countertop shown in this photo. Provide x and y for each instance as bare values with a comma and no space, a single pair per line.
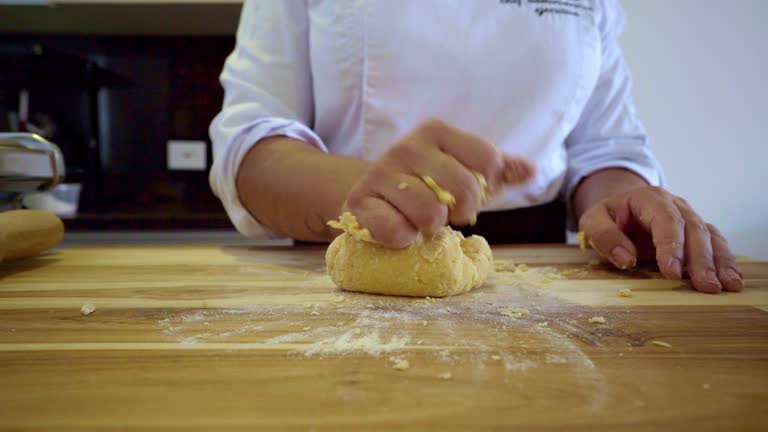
236,338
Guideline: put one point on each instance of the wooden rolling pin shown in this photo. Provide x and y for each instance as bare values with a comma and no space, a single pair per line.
28,233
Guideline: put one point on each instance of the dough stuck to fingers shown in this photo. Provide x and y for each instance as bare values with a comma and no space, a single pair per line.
348,223
444,196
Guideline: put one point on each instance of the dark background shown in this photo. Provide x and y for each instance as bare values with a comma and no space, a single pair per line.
164,88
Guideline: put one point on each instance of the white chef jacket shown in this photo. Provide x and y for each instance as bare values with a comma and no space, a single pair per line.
542,79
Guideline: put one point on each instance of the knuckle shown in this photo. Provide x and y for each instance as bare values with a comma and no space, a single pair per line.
697,226
682,202
658,190
672,217
715,232
668,244
468,193
405,150
433,125
377,172
723,257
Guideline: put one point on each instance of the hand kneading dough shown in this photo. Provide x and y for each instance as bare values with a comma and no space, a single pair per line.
446,264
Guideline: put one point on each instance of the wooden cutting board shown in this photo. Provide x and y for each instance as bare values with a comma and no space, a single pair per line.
218,338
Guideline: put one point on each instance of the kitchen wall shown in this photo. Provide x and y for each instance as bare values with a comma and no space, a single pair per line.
700,69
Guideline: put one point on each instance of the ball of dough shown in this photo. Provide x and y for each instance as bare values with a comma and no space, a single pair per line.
443,265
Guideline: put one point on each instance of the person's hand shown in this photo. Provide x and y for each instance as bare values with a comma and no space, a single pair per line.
650,223
393,201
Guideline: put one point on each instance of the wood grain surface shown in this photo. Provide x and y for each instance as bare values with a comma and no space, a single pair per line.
235,338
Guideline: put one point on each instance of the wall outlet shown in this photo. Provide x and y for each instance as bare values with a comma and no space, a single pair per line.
187,155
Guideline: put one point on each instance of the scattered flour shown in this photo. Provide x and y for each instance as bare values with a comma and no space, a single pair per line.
349,343
513,312
365,325
529,278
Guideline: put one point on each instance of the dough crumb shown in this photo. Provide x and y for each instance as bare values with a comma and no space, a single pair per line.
314,313
87,309
307,305
445,375
419,342
661,343
206,323
495,357
307,328
473,219
597,320
568,272
443,195
430,300
399,363
483,186
621,354
543,324
504,266
582,238
424,323
339,299
357,331
402,186
513,312
522,268
706,386
348,222
625,292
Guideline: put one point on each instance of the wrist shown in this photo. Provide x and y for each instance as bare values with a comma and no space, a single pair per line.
293,188
603,184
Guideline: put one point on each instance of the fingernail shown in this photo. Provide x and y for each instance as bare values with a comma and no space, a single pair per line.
622,257
675,267
733,280
711,277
